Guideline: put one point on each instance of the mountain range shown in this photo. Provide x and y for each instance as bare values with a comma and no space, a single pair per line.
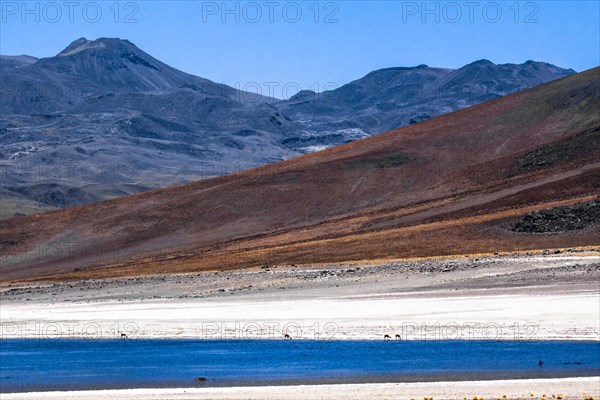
104,119
517,173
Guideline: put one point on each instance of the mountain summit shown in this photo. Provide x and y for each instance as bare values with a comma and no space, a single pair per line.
393,97
82,44
116,64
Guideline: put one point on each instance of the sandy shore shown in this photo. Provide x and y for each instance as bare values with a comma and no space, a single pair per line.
551,297
510,316
570,388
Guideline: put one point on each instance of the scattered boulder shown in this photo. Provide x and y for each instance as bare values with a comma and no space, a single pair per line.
561,219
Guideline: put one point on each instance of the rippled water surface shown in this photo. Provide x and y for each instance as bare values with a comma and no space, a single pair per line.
67,364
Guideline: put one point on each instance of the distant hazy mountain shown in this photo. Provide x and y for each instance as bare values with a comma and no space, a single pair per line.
393,97
103,119
16,61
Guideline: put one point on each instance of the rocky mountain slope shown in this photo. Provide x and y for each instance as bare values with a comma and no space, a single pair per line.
104,119
460,183
395,97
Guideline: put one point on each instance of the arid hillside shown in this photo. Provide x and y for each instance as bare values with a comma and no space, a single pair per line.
473,181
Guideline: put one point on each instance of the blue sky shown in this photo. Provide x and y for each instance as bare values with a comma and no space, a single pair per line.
313,44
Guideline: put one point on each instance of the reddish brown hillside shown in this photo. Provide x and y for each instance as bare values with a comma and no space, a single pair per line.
454,184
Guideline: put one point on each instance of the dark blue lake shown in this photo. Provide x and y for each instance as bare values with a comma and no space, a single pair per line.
67,364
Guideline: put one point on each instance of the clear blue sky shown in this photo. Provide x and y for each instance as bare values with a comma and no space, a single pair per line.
290,42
